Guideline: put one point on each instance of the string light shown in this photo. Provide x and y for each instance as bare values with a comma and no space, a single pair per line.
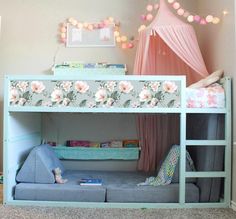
125,42
225,12
181,12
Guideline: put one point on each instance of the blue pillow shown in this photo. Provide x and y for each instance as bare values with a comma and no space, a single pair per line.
38,166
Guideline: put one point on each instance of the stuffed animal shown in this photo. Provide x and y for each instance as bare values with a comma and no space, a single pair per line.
211,79
58,177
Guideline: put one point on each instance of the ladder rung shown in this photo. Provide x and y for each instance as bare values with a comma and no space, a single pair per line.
206,143
212,174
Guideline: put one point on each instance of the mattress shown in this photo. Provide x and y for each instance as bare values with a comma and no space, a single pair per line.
117,187
209,97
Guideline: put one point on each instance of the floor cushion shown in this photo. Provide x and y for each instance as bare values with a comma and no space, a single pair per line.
38,166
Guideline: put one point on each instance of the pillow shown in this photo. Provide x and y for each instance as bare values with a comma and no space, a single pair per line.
166,172
38,166
189,167
169,168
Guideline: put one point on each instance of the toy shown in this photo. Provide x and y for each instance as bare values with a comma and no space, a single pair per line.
58,177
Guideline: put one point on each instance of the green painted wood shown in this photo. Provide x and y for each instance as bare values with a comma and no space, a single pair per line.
206,142
209,174
182,158
95,78
88,71
5,142
25,137
228,137
182,111
91,110
206,110
82,153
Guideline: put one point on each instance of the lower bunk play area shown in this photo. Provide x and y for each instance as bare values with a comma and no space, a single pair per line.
95,154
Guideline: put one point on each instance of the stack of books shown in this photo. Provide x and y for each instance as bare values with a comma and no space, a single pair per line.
90,182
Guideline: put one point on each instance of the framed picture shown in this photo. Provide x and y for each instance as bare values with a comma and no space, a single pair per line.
81,37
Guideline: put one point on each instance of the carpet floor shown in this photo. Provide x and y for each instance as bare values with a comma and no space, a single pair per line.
15,212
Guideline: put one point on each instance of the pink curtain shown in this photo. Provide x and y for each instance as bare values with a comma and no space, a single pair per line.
155,143
167,47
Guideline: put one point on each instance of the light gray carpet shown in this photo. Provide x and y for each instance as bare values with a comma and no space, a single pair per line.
9,212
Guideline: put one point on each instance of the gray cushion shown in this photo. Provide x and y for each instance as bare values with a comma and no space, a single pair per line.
38,166
117,187
59,192
151,194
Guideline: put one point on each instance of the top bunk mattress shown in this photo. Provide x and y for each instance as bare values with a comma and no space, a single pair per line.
209,97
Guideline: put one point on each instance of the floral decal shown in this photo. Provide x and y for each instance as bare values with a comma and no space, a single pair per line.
95,94
36,86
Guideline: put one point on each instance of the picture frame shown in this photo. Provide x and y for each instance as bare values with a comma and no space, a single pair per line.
82,37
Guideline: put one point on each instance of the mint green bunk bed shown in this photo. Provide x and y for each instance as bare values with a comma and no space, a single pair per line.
29,98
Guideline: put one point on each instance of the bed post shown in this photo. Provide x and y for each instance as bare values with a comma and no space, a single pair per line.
228,138
182,143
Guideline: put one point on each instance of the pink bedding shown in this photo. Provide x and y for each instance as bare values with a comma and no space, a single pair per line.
209,97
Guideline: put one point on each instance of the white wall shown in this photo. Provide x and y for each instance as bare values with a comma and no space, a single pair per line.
217,43
29,34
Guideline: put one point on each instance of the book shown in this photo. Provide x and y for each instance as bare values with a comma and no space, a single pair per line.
90,182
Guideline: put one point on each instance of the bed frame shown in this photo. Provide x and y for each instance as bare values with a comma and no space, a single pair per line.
22,125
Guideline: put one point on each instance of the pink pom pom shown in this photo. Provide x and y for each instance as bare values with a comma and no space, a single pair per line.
149,17
130,45
101,25
143,17
156,6
106,22
197,18
149,7
203,21
176,5
180,12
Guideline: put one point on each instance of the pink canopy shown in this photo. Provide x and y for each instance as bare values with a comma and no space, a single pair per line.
168,46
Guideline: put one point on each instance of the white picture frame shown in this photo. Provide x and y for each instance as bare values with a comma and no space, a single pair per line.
103,37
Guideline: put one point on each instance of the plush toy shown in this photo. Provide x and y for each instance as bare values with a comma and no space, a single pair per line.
58,177
211,79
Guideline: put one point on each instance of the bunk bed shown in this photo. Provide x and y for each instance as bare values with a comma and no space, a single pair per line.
28,98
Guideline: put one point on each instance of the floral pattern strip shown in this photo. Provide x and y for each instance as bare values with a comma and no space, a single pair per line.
95,94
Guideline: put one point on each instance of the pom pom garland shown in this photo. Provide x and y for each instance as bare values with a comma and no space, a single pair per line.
197,18
149,17
176,5
216,20
181,12
190,18
126,43
149,8
156,6
209,18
